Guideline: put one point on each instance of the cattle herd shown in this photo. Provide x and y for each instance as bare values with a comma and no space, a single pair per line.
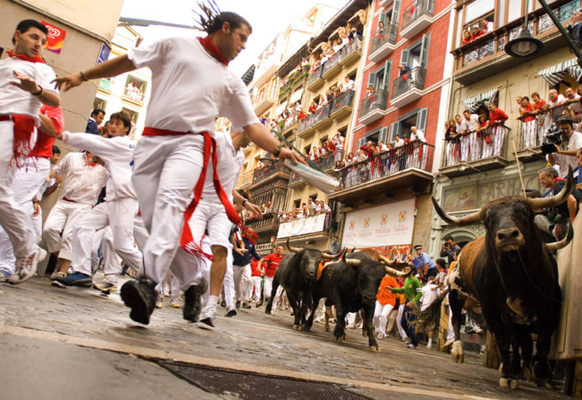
510,273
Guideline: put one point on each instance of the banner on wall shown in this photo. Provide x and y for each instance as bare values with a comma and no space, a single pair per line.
55,37
387,225
302,226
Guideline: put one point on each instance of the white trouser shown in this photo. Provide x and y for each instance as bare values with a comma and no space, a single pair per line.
475,140
381,317
228,282
401,330
256,289
119,214
242,282
112,262
465,147
58,227
451,330
529,133
351,319
498,139
15,221
28,179
166,169
268,287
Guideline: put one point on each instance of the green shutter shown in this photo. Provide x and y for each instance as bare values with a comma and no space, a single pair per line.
387,70
395,12
404,57
382,135
421,119
424,49
372,80
393,131
361,142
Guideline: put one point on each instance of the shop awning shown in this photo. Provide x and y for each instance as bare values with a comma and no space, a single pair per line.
554,74
483,98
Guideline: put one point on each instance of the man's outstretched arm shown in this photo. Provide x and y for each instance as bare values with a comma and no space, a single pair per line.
115,66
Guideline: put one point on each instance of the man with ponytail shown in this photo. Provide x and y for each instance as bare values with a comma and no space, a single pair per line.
192,85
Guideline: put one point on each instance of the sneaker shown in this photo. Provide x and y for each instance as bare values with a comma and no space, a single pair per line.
141,297
174,304
260,303
237,304
57,274
4,274
246,305
411,346
206,323
449,342
223,304
76,279
105,286
192,301
26,266
231,313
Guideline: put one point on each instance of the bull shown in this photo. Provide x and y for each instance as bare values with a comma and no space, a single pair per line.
351,285
512,274
297,273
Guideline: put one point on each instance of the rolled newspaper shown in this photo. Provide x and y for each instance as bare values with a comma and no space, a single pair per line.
314,177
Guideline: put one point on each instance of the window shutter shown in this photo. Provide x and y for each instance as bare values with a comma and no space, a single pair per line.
361,142
395,12
382,135
372,80
424,49
387,70
393,131
404,57
421,119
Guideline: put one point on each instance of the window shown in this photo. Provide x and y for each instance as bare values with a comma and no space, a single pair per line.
375,136
135,89
417,54
99,103
380,78
133,115
297,203
402,126
307,149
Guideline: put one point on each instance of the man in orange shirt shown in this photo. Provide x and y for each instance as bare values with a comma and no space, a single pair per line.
269,265
385,302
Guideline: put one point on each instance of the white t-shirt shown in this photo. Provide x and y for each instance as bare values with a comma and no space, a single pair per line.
82,182
229,164
559,101
14,100
564,161
190,88
472,122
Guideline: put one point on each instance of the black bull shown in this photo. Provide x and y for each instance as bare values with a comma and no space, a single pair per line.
351,285
512,274
297,273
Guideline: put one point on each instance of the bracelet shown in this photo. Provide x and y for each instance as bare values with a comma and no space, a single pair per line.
278,150
83,76
37,93
244,202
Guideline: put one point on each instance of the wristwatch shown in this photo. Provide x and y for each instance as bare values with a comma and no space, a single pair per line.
278,150
244,202
39,92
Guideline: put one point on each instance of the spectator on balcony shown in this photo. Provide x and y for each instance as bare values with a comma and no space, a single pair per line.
554,221
382,147
338,45
335,92
327,55
544,120
575,27
312,107
96,119
354,34
466,36
571,142
311,207
304,210
416,134
472,123
528,122
487,26
404,71
380,31
324,207
463,134
398,141
496,119
555,99
371,96
304,63
452,145
348,84
484,134
573,99
476,32
368,148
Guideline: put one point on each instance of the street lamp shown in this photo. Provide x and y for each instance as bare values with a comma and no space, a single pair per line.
525,45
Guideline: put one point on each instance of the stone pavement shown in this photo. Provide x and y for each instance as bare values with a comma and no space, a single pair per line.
89,336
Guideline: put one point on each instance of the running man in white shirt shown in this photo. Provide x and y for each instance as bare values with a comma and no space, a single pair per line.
24,87
120,206
192,85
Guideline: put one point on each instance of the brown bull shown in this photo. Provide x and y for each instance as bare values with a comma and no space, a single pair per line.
512,274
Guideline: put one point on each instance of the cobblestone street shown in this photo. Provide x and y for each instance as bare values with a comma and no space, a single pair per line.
59,342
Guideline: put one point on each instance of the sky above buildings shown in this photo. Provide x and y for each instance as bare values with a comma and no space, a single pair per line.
268,18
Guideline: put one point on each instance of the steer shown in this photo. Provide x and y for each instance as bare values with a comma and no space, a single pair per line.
351,285
297,273
512,274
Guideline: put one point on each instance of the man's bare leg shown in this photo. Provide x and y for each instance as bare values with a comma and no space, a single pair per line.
217,271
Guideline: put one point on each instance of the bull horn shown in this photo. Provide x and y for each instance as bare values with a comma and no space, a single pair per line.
395,272
352,261
293,249
561,243
466,220
333,256
548,202
385,260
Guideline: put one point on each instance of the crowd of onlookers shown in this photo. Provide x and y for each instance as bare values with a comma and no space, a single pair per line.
478,30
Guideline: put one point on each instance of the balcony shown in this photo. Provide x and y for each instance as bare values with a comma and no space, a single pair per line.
269,223
416,18
385,3
403,168
533,129
341,106
315,227
406,89
320,119
133,94
104,85
245,180
332,66
372,106
323,163
485,56
275,169
383,44
489,152
289,123
351,52
306,126
315,81
263,103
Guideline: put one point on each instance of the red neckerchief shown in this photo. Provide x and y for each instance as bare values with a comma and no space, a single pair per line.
89,163
24,57
213,50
